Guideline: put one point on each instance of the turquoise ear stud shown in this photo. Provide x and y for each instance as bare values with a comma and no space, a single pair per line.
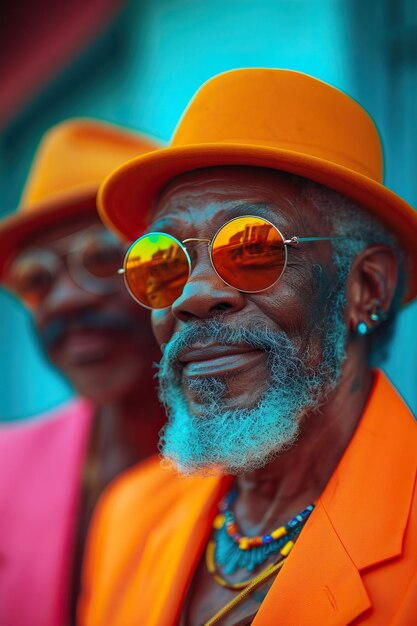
376,315
362,328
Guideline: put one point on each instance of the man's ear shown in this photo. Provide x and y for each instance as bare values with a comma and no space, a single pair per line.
371,287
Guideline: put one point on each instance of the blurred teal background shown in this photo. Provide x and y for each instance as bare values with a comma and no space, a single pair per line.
138,63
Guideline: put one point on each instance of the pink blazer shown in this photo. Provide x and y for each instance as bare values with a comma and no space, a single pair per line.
41,461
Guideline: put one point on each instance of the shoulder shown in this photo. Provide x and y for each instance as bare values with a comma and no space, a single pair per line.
69,417
128,511
75,408
145,487
134,504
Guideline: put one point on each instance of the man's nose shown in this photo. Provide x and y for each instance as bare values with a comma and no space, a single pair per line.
206,294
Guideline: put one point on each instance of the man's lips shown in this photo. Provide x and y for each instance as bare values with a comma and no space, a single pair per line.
217,360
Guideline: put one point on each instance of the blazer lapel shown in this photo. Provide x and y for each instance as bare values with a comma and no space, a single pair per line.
372,487
319,583
359,521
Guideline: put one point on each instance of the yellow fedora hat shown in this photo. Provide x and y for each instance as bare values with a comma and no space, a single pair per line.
269,118
71,161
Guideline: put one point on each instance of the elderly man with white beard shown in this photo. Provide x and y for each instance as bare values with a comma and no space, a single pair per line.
274,262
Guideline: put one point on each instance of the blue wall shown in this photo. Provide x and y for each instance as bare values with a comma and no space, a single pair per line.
141,73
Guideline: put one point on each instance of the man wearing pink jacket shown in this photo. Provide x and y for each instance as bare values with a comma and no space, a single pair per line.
61,263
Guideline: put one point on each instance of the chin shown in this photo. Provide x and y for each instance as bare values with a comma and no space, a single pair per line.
228,466
225,444
94,393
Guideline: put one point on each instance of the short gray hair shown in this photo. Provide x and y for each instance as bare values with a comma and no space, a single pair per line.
359,229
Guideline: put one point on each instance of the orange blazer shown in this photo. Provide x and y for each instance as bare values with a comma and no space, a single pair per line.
355,561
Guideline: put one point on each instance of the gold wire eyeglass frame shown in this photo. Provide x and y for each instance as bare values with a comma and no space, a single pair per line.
71,259
292,241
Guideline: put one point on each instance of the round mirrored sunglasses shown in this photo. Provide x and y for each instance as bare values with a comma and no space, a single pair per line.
92,260
248,253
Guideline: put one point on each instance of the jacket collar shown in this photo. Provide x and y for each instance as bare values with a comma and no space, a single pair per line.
359,520
372,486
319,583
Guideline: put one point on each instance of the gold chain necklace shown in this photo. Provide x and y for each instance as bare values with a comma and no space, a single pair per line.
256,582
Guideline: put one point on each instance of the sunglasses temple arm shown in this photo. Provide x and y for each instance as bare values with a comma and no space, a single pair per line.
296,240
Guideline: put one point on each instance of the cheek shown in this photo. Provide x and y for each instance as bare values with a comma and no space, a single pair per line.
286,308
163,325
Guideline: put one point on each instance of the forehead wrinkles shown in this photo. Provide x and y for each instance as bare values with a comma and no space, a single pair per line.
194,196
189,196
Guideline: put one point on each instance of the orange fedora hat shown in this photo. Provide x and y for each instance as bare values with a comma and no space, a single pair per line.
268,118
72,160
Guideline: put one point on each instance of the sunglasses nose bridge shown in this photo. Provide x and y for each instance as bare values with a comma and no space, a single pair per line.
195,240
203,261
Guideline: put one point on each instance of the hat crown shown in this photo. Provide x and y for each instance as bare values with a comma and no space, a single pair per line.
74,157
284,110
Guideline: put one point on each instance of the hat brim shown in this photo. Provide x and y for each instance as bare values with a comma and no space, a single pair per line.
126,197
16,230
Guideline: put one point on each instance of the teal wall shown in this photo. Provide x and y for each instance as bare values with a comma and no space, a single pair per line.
141,73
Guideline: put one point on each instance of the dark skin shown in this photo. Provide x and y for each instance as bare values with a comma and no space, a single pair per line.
110,366
196,205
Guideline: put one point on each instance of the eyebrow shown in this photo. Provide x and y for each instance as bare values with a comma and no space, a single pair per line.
259,209
163,223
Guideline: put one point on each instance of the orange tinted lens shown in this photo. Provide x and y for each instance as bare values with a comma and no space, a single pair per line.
249,253
156,270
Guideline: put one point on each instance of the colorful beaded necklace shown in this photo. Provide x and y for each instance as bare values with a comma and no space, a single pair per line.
233,551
